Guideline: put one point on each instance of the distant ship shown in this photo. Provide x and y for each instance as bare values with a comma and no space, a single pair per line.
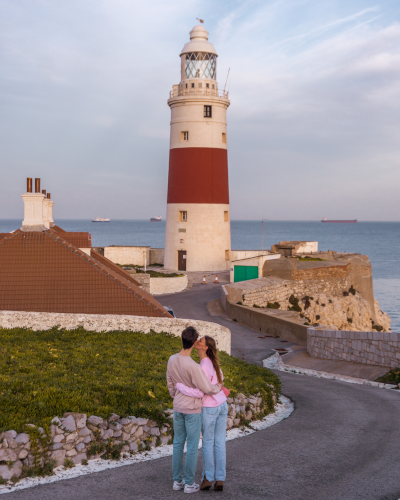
156,219
326,220
100,219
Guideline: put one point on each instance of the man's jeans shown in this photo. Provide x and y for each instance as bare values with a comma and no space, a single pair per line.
186,426
214,437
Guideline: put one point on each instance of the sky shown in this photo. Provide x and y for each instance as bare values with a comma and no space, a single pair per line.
313,125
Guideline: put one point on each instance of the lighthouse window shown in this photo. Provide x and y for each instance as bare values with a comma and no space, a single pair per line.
201,65
208,85
207,111
184,136
223,137
192,85
226,216
183,216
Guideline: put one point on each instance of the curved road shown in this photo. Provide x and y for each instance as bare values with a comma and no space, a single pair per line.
342,442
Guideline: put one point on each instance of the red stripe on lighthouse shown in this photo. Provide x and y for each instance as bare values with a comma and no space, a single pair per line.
198,175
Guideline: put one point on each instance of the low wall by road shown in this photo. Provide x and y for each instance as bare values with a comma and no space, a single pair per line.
109,322
267,323
372,348
160,286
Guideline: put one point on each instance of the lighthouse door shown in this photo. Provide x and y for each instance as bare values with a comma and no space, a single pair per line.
181,260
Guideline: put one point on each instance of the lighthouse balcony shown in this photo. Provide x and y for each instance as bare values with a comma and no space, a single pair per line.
182,91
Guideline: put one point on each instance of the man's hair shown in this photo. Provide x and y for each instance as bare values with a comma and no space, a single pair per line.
189,337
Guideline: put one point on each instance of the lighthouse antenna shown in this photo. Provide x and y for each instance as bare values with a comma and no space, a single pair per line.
227,76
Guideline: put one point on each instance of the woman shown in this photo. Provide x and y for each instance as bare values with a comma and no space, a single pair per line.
214,416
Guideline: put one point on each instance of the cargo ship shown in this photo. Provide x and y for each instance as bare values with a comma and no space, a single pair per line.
347,221
156,219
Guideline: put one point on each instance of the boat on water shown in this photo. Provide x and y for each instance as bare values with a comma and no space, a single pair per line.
347,221
156,219
100,219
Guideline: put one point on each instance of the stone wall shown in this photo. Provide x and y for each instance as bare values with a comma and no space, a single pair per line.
127,255
160,286
263,290
76,437
109,322
144,280
372,348
321,273
156,256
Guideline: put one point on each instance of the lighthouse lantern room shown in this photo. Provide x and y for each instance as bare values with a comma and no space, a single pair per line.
198,234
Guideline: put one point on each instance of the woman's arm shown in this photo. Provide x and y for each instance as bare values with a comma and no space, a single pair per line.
188,391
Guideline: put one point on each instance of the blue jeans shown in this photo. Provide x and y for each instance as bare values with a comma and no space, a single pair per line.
214,437
185,427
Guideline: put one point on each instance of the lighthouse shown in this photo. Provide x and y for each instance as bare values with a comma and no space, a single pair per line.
198,236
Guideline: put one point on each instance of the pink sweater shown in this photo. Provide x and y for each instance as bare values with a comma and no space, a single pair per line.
208,401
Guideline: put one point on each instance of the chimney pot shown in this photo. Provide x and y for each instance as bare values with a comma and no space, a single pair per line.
44,192
37,185
29,185
48,196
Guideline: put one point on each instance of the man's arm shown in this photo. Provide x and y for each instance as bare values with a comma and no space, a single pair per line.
188,391
171,385
200,380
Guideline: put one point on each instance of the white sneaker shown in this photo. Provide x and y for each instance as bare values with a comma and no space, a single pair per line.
191,488
178,486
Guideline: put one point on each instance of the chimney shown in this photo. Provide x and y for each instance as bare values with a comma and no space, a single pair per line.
48,211
33,207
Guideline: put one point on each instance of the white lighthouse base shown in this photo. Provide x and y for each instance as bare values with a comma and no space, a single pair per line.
205,236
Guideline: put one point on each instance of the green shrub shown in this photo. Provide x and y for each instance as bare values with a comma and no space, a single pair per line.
352,290
345,294
255,305
295,304
84,461
48,373
240,303
274,305
68,463
391,377
349,320
234,319
310,259
378,328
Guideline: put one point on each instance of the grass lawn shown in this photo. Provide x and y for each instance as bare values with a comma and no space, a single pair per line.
44,374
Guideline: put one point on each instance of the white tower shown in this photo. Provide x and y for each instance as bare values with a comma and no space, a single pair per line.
198,236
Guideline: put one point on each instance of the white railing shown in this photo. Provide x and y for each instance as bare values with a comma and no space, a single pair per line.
177,92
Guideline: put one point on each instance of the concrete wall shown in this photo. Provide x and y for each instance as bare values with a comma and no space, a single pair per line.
109,322
160,286
127,255
206,236
267,323
372,348
156,256
256,260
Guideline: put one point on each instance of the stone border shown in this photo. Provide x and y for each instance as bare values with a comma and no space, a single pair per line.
283,410
109,322
275,362
160,286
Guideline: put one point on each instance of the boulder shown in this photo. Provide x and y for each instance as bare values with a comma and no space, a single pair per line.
69,423
10,434
7,455
95,420
78,458
8,473
22,438
58,456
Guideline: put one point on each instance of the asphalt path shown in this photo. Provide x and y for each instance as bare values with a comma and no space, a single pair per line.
342,442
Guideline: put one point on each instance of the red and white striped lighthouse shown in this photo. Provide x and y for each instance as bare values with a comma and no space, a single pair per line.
198,236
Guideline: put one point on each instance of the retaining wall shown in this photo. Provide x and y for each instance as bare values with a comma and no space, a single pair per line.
156,256
371,348
109,322
160,286
127,255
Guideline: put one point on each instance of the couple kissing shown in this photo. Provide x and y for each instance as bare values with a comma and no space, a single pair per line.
199,407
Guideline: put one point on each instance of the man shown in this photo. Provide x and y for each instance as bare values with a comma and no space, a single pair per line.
187,410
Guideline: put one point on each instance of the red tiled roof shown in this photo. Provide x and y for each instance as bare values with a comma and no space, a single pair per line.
3,235
41,271
106,262
78,239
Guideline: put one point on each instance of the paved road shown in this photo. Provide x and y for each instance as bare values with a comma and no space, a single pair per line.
342,442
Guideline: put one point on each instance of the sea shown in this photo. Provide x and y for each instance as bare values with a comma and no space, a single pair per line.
379,240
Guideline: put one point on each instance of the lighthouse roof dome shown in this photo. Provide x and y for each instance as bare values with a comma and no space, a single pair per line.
199,41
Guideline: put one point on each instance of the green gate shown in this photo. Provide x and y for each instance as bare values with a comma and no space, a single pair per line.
243,273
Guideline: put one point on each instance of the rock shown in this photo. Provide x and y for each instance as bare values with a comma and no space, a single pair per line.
12,444
107,434
117,433
229,423
125,436
113,417
125,421
133,447
146,428
84,432
134,429
87,439
7,455
165,439
68,446
248,415
69,423
23,454
56,421
125,448
10,434
71,453
151,423
15,470
163,429
139,432
78,458
116,427
22,438
58,438
95,420
81,421
57,446
236,422
229,401
155,431
58,456
71,437
79,447
141,421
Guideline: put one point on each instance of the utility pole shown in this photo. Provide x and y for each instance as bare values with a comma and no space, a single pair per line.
262,235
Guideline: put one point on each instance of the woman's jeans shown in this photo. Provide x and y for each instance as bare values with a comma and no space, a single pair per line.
186,426
214,437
